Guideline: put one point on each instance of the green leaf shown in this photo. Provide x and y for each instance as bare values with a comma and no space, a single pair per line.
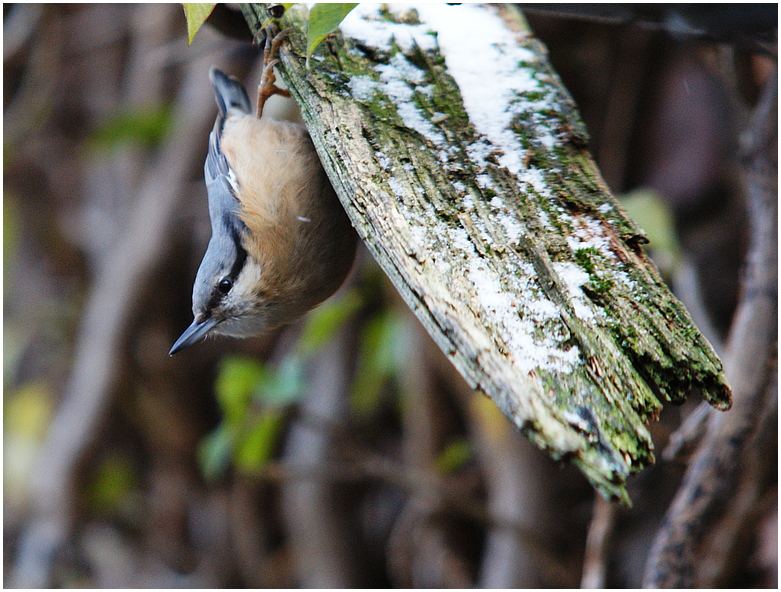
284,385
27,412
196,14
377,361
324,19
215,451
114,479
144,126
256,445
651,212
253,396
454,456
325,320
237,379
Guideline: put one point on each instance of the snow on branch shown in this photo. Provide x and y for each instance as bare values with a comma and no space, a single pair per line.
463,164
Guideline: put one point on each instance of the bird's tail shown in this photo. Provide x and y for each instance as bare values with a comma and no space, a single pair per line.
229,93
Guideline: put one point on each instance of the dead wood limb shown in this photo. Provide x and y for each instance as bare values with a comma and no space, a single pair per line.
501,237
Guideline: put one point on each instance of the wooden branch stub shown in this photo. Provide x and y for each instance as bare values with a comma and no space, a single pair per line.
470,182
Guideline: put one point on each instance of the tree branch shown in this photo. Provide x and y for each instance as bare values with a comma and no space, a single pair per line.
712,477
470,183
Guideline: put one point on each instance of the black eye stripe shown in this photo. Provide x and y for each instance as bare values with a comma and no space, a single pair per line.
234,228
241,257
225,284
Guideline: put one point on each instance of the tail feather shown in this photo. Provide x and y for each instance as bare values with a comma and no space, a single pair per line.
228,92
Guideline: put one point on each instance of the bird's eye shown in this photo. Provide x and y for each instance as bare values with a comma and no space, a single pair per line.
225,285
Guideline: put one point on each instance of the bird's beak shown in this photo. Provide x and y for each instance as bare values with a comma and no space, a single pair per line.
193,333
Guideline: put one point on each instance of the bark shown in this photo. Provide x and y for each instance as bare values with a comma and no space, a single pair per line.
514,255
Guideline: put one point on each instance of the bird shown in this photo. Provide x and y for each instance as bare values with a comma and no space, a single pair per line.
281,241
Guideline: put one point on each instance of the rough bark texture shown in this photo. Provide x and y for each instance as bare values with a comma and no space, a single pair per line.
530,278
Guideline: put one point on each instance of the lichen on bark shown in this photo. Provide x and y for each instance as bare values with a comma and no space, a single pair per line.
498,230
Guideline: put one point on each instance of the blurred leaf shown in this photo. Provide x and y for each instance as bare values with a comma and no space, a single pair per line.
27,410
26,416
324,19
493,422
325,320
196,14
454,456
249,439
651,212
114,479
377,361
283,386
143,126
256,446
216,451
237,379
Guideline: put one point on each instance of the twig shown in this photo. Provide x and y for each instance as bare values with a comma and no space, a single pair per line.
119,283
689,433
733,536
518,552
597,545
19,25
416,549
37,86
712,476
317,531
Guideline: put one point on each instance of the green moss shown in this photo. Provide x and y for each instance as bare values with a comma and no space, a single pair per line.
583,257
408,17
646,323
535,95
447,99
560,151
600,283
602,286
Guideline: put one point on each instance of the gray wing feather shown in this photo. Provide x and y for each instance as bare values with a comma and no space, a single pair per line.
224,254
223,205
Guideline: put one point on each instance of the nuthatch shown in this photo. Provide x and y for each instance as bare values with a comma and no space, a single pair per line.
281,242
